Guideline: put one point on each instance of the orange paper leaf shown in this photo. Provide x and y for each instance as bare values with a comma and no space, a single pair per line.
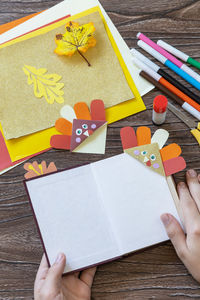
76,38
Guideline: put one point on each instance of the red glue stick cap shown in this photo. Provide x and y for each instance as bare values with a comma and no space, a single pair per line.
160,104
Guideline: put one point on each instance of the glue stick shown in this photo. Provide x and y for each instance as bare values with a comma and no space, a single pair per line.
159,109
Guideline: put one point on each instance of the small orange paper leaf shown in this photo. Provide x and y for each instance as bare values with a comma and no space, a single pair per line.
76,38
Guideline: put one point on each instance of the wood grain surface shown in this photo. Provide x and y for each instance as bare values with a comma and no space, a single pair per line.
155,273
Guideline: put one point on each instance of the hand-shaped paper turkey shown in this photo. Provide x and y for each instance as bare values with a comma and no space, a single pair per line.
35,169
149,151
82,130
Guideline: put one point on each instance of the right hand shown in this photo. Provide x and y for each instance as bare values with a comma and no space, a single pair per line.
187,246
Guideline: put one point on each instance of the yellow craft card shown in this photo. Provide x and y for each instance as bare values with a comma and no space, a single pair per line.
39,141
28,145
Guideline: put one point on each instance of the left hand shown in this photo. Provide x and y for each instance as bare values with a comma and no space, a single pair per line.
51,285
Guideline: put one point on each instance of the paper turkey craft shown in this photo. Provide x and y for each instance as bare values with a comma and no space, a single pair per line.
34,169
149,151
82,130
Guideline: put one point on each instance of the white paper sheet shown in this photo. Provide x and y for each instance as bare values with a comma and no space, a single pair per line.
73,7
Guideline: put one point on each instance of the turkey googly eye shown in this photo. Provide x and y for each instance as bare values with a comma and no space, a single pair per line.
78,131
144,153
85,126
153,157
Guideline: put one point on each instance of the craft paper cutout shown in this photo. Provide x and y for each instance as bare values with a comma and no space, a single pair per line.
5,161
35,169
7,26
170,151
143,135
77,132
45,85
149,155
164,161
160,137
76,39
80,82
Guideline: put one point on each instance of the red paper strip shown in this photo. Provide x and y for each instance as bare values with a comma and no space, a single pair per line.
5,160
60,19
97,110
128,138
174,165
60,142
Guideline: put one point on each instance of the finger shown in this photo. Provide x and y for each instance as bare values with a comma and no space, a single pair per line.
54,274
43,269
87,276
176,235
194,186
188,207
199,178
77,274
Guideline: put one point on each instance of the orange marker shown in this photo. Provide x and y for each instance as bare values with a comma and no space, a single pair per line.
180,94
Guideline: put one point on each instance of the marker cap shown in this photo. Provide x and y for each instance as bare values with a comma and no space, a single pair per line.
160,104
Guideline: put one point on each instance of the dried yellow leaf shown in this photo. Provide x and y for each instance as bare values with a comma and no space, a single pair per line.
76,38
45,85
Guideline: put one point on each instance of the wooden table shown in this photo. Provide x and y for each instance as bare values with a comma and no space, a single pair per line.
155,273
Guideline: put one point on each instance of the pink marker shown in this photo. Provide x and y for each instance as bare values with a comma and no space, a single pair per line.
170,57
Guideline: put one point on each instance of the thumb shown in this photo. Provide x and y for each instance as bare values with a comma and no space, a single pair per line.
176,234
54,276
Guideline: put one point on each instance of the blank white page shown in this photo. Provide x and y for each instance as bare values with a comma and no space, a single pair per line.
134,197
71,218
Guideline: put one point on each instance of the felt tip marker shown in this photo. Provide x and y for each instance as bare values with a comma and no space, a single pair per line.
179,54
187,107
165,75
164,82
169,64
170,57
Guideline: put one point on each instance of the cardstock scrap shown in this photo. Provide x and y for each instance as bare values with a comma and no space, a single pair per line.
165,161
81,130
31,114
7,26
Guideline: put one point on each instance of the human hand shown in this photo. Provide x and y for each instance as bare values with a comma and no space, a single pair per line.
51,285
187,246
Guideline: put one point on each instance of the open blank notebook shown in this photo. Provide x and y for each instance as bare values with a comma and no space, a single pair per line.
100,211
